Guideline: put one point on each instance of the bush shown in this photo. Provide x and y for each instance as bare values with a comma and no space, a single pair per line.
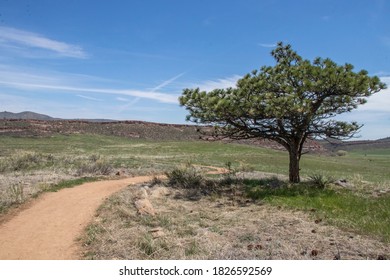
25,161
320,181
16,193
341,153
230,177
95,166
187,178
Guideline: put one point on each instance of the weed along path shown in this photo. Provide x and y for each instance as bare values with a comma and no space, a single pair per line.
48,229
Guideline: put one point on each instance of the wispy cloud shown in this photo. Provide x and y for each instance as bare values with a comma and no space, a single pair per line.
380,101
89,97
122,99
374,115
266,45
157,96
131,104
383,74
24,79
16,39
167,82
218,83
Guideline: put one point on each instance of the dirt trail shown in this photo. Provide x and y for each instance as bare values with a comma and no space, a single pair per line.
48,229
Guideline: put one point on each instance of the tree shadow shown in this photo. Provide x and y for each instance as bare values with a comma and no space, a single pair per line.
194,186
274,187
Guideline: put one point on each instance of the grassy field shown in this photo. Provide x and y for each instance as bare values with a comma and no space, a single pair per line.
29,166
371,166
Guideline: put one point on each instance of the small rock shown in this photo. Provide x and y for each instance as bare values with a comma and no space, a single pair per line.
258,247
314,253
159,192
156,229
157,232
142,193
343,183
382,192
144,207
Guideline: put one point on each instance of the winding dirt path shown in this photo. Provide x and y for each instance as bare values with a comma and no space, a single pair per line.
48,229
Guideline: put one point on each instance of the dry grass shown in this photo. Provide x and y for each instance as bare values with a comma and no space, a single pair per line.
18,187
189,226
25,174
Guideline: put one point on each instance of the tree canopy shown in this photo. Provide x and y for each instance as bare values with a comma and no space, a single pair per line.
287,103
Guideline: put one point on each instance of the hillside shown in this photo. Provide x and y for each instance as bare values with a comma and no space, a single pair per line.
26,115
127,129
362,145
39,125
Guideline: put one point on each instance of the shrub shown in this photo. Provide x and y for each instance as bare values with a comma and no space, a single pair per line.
320,181
341,153
95,166
156,181
229,177
187,178
16,193
25,161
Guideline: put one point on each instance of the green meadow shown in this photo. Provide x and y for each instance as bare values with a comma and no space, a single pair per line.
371,165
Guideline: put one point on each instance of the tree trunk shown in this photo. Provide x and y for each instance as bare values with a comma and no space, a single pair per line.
294,165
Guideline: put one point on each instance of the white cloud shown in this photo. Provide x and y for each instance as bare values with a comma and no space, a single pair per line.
128,105
27,80
167,82
16,39
265,45
89,97
218,83
122,99
374,115
157,96
380,101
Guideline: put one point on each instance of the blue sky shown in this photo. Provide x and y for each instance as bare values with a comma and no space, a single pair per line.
130,60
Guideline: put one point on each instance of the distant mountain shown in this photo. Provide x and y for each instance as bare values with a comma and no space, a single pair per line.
26,115
334,145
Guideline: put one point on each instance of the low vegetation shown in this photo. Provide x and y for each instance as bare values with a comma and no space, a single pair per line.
250,211
207,217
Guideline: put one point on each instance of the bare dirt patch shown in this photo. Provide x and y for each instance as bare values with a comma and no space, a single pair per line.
215,227
48,227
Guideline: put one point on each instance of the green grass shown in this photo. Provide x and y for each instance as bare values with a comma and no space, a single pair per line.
139,154
365,215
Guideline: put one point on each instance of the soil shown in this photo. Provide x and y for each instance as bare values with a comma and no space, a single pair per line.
49,227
